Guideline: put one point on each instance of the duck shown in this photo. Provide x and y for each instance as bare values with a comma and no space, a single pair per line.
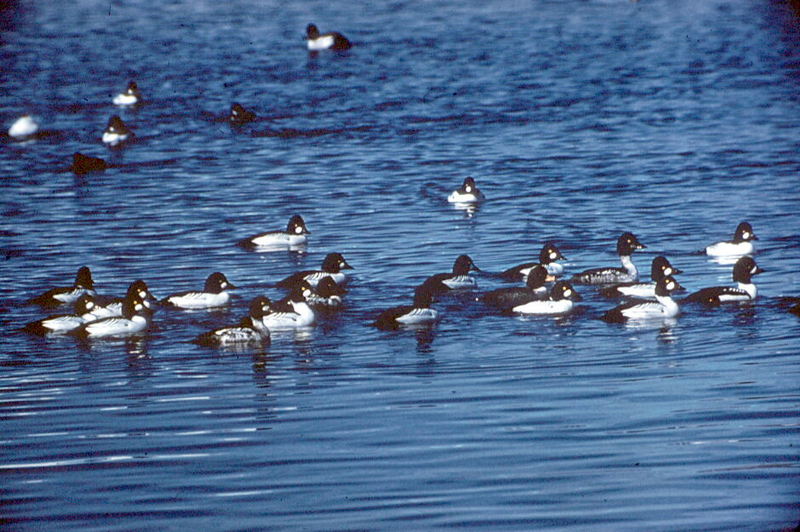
214,294
134,321
332,266
561,302
83,164
64,323
84,284
116,132
316,41
107,306
131,95
293,311
664,307
295,235
239,115
467,193
459,278
250,331
660,267
23,127
742,243
534,289
418,313
627,243
548,257
327,296
745,290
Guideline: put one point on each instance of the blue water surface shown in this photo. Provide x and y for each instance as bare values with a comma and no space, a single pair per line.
579,120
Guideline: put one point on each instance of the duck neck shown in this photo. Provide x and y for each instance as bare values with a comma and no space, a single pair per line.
750,288
628,264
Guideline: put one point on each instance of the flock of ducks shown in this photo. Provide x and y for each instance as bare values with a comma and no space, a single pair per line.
118,133
315,293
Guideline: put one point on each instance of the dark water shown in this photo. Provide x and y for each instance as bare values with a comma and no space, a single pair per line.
671,119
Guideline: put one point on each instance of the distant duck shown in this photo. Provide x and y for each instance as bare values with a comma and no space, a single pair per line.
83,164
332,266
795,309
134,321
742,243
548,256
467,193
418,313
627,243
64,323
534,289
743,271
239,115
108,306
561,301
659,268
131,96
459,278
214,294
328,296
84,284
293,311
250,331
116,132
325,41
663,307
24,127
293,236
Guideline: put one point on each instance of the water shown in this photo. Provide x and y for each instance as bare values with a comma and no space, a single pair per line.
579,120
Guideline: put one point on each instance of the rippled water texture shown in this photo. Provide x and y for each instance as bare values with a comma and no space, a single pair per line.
579,120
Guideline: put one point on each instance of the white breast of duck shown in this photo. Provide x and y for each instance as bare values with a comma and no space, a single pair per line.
25,126
561,301
418,315
460,281
199,300
730,249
